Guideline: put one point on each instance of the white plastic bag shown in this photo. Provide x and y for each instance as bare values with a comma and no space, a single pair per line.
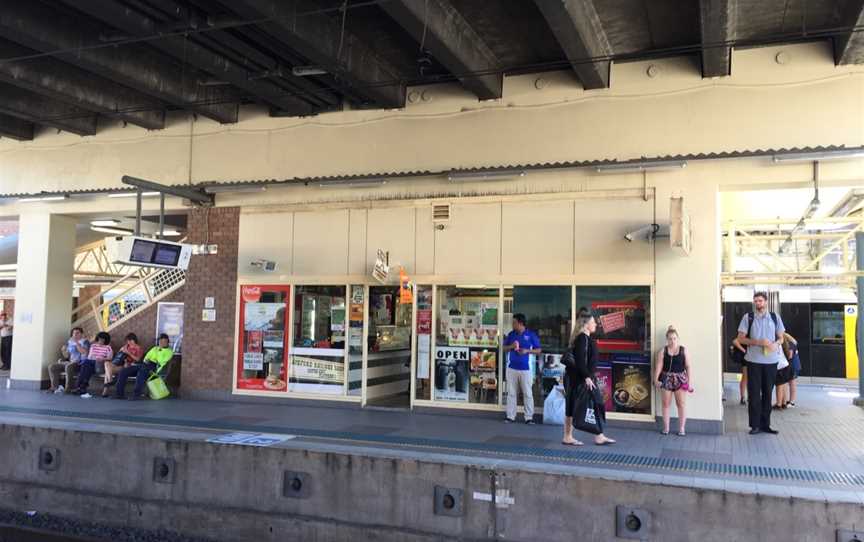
553,407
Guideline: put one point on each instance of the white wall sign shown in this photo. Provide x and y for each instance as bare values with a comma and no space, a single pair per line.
208,315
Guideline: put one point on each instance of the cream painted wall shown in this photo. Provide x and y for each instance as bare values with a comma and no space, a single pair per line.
805,102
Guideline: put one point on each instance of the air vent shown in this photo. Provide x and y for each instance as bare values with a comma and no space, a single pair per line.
441,213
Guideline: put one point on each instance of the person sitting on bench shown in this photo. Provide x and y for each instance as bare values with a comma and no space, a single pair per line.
100,351
155,360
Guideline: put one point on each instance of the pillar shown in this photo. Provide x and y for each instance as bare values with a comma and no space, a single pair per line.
859,330
43,295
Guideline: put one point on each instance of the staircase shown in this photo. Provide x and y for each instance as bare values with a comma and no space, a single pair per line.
129,295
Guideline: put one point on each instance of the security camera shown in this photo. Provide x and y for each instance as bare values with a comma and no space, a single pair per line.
265,265
645,233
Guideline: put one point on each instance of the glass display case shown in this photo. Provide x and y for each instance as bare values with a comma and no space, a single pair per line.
317,356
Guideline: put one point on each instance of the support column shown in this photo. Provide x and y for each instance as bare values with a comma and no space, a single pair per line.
859,328
43,291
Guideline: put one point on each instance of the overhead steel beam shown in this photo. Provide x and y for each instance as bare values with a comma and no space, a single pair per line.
192,195
65,83
580,34
41,110
321,39
450,38
717,22
252,52
39,27
15,128
849,47
139,25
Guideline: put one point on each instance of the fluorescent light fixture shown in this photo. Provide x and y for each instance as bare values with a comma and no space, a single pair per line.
133,194
105,222
216,189
43,198
456,176
351,183
303,71
636,167
115,231
170,233
843,154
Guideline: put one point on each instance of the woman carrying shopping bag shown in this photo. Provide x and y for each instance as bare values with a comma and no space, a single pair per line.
582,394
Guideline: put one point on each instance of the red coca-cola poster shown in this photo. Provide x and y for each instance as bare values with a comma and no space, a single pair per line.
250,294
424,322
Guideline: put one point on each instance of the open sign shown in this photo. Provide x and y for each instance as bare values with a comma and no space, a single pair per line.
445,353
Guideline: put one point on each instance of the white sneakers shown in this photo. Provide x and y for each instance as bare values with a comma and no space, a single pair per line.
86,396
59,390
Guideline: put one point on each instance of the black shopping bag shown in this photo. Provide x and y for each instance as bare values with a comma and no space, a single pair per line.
589,413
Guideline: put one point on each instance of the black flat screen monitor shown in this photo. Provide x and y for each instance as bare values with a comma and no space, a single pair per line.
142,251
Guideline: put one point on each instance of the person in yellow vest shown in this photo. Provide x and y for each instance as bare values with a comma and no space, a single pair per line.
155,360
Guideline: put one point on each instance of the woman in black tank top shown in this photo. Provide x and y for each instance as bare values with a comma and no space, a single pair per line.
672,376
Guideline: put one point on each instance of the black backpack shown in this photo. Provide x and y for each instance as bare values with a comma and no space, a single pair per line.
737,355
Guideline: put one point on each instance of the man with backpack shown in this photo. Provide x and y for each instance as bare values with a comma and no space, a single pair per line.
761,332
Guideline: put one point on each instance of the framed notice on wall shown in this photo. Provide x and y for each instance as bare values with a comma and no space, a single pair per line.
169,320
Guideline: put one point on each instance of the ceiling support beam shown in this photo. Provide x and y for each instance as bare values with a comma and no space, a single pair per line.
15,128
62,82
33,108
320,39
40,27
849,47
580,34
139,25
717,22
446,34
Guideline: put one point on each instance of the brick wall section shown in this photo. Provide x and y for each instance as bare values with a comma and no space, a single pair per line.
208,347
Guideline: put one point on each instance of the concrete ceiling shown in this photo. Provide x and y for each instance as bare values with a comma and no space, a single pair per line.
67,64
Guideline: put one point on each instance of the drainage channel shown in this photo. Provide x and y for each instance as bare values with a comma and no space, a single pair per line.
779,474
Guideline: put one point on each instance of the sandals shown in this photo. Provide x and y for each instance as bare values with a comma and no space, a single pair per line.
574,442
682,434
605,442
664,433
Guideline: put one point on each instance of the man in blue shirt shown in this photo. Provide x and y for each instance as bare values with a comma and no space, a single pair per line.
520,344
763,338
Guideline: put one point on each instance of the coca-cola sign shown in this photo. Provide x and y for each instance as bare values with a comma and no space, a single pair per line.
250,294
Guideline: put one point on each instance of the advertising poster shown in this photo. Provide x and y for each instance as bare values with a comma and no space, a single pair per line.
451,373
274,339
484,376
631,387
264,316
622,325
169,320
604,382
262,355
424,322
